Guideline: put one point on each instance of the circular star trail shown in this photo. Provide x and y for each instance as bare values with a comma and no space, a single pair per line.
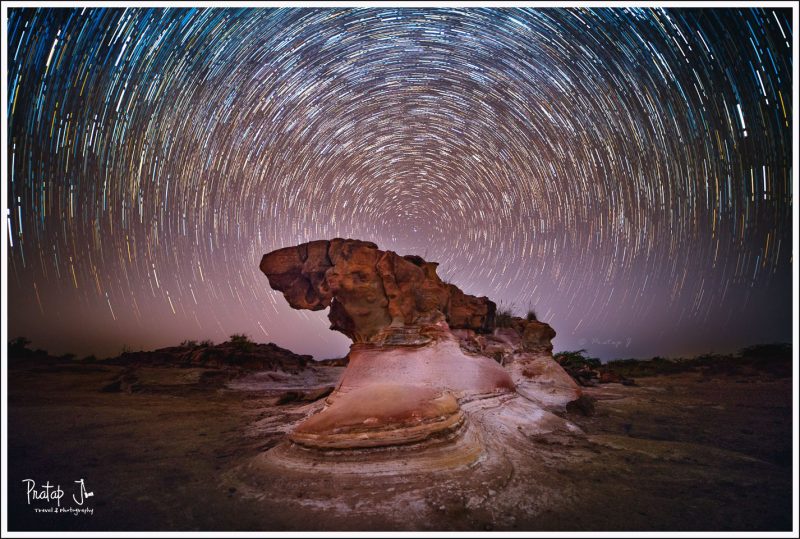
624,172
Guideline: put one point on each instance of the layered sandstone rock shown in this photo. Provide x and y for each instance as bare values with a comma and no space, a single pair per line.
420,348
524,348
377,415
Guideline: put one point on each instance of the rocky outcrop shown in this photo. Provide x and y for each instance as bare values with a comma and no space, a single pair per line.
421,347
369,290
205,364
242,355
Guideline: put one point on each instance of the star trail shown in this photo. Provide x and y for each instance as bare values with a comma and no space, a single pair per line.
626,172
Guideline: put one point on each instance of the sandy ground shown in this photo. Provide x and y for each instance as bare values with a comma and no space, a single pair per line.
679,452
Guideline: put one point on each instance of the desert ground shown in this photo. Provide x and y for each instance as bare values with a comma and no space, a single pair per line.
185,449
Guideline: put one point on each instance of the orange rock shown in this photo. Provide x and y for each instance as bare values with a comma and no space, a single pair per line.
537,336
368,289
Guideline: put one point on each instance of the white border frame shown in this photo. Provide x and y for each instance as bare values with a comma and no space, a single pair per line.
344,4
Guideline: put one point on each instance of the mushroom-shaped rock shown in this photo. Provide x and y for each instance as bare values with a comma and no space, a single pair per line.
419,346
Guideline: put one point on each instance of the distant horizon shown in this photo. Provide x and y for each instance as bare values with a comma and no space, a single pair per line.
732,351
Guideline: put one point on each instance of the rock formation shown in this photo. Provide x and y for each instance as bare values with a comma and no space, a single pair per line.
421,348
369,290
241,356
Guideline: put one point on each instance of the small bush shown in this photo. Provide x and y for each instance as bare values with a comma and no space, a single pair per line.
531,316
576,360
583,370
189,344
242,342
504,316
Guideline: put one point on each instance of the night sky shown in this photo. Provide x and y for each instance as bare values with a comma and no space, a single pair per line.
624,172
